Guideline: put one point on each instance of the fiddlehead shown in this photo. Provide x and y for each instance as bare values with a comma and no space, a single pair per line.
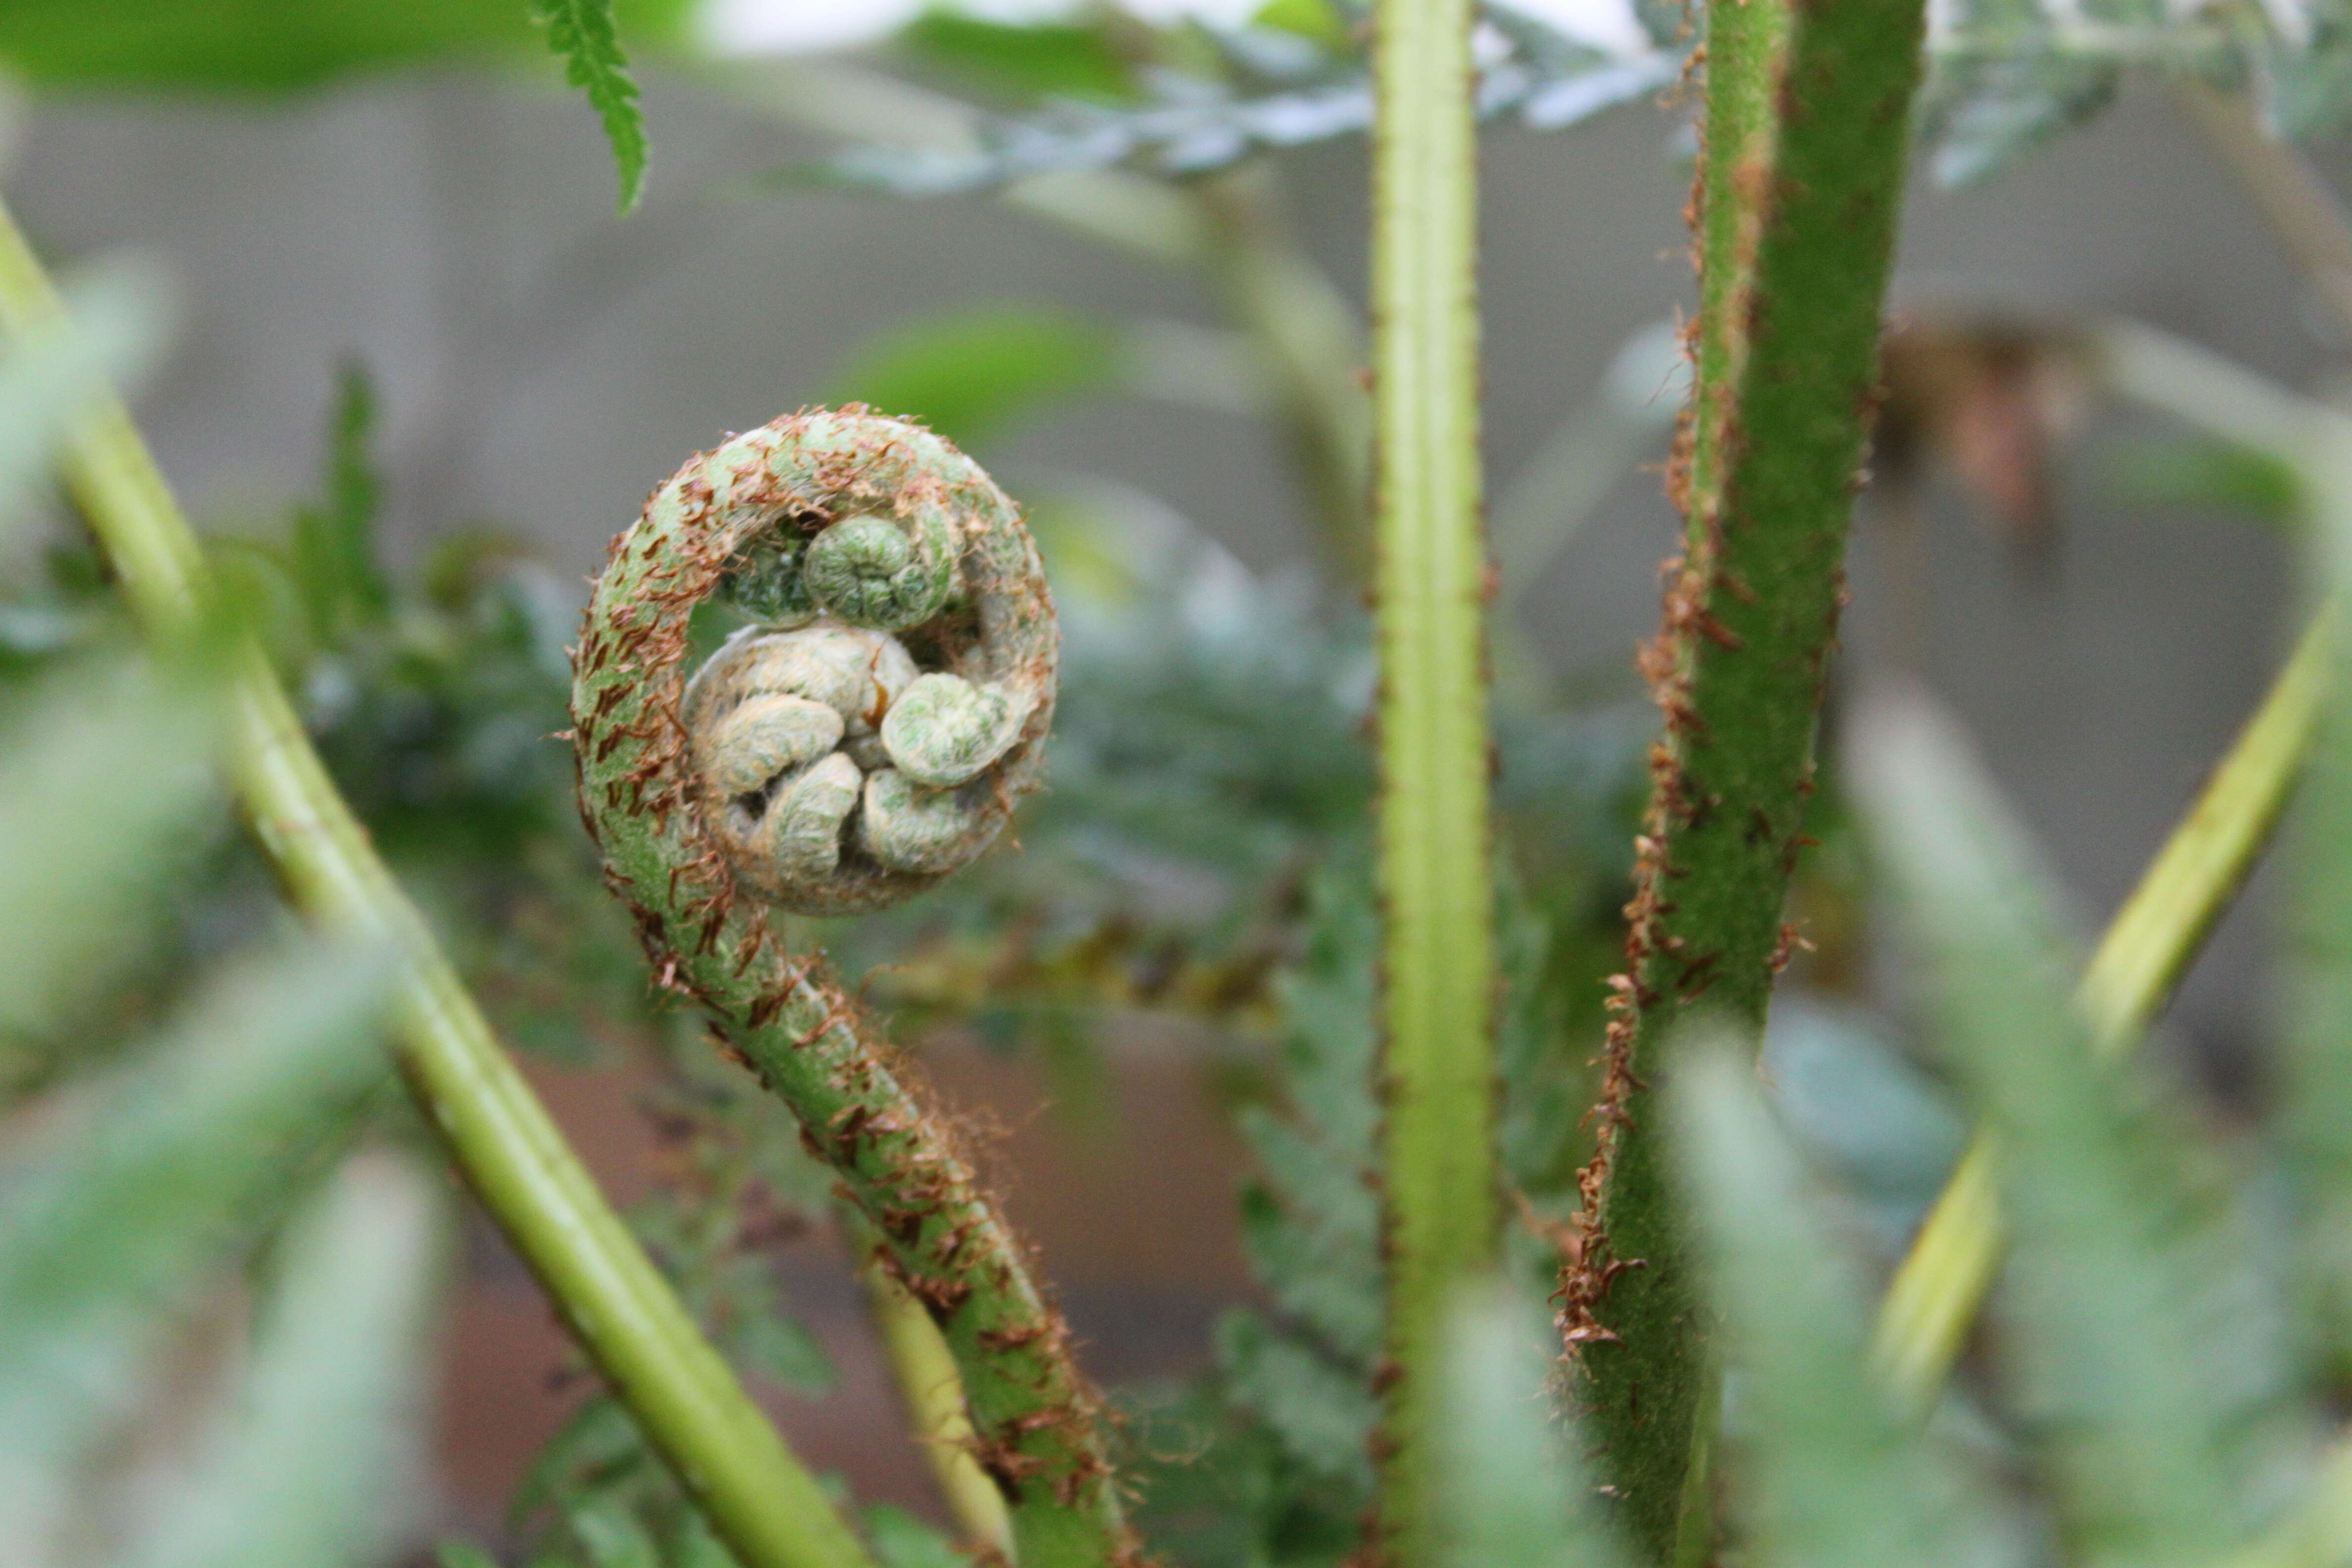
868,733
864,738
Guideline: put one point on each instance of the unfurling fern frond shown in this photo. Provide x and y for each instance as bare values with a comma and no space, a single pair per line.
866,736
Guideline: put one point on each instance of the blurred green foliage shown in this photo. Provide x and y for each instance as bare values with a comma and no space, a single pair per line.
2148,1394
583,34
1025,63
259,46
970,375
176,1149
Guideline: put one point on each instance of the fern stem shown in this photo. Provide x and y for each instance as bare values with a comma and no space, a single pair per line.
1799,189
2304,216
782,1015
758,1496
932,1390
1437,951
1943,1278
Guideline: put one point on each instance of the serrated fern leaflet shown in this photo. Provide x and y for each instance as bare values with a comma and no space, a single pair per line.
583,32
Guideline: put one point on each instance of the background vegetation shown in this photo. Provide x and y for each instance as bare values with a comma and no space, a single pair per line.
221,1239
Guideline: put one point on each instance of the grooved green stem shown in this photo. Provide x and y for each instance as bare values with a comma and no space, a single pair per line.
1437,952
1943,1278
1799,190
757,1496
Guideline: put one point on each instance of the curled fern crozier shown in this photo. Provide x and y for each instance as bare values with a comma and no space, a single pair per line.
864,738
868,732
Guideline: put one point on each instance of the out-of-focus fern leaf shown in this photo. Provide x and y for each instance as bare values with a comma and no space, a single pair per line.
1512,1492
2145,1361
1834,1478
259,46
2211,474
2006,75
2305,75
1312,1221
1218,1490
201,43
1990,101
1045,59
2316,1070
1873,1123
103,794
319,1464
1216,723
596,1497
1319,21
335,566
1262,86
1321,1409
113,327
611,1536
902,1541
1546,1086
694,1545
583,33
968,375
100,1230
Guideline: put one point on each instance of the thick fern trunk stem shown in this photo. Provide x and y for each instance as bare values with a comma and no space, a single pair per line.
1437,952
1799,189
761,1502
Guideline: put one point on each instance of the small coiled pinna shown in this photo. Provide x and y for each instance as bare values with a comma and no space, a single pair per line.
867,733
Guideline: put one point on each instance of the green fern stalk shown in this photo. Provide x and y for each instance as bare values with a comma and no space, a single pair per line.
758,1496
1934,1295
930,1389
1799,190
1437,948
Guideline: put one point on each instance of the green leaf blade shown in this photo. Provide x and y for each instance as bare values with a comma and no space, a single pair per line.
97,1239
108,782
323,1463
2146,1379
583,33
1511,1490
1838,1480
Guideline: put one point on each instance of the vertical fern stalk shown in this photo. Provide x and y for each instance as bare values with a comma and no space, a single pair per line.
1437,955
1799,184
760,1500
